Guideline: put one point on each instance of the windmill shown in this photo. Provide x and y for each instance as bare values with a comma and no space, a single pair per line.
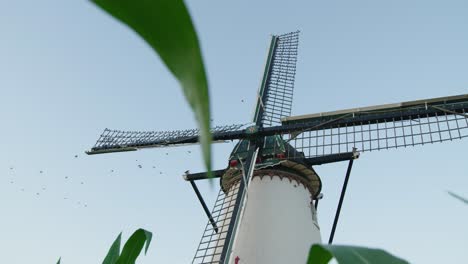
265,211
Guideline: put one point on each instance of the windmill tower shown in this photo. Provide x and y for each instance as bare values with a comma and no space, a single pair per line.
266,208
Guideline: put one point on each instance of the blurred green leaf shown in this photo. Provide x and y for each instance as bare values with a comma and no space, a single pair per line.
167,27
114,251
322,254
58,262
134,245
458,197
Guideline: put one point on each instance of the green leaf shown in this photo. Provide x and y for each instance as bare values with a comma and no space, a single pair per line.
167,27
458,197
322,254
58,262
134,245
114,251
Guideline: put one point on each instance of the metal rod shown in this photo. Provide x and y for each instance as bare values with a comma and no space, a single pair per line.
340,203
332,158
202,175
205,208
449,111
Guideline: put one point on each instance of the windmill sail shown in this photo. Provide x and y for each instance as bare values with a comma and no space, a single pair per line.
380,127
276,91
212,242
118,140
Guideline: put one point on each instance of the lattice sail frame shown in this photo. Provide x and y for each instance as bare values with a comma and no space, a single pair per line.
119,140
280,81
276,91
382,129
211,244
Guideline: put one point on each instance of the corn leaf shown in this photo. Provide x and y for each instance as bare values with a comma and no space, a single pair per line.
167,27
322,254
134,245
114,251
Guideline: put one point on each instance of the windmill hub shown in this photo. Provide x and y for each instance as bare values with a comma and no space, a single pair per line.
252,130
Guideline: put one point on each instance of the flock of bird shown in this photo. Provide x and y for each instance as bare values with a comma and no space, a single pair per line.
43,189
67,178
112,171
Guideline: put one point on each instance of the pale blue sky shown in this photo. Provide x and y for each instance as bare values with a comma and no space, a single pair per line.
67,71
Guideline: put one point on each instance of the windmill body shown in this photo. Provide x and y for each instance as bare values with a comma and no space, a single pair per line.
280,197
278,223
266,209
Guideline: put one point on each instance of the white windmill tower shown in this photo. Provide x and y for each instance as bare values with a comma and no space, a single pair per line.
265,212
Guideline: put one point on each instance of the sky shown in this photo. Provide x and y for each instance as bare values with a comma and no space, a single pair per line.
68,70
